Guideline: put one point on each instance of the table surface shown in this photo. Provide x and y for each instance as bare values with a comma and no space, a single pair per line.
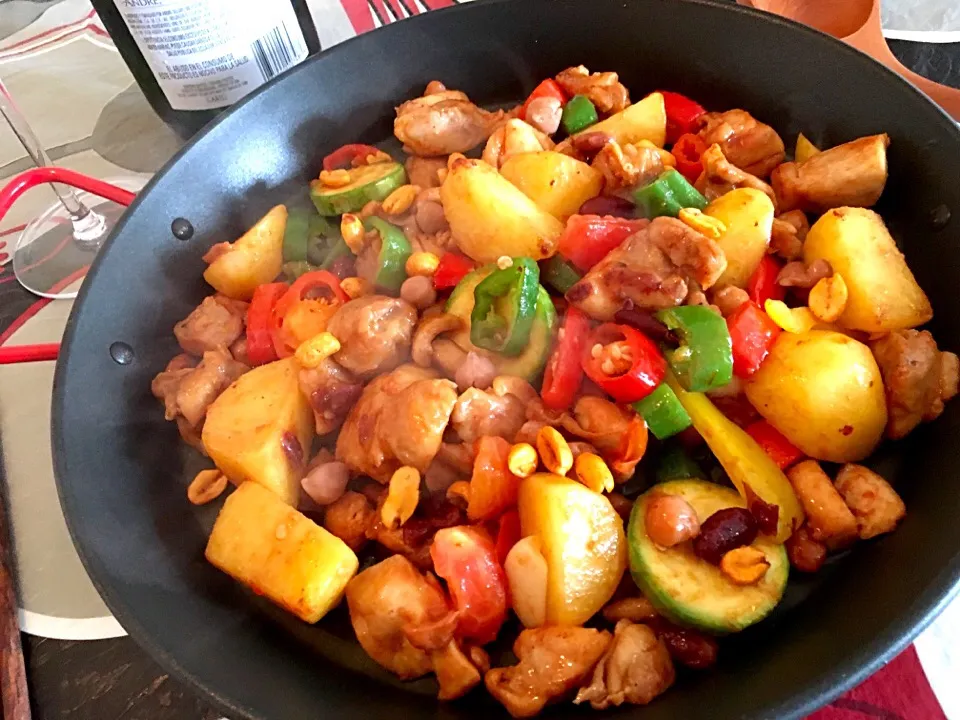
114,679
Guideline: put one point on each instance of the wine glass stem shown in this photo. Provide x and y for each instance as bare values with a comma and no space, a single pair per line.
18,123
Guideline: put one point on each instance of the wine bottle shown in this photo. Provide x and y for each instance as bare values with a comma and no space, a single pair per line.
193,58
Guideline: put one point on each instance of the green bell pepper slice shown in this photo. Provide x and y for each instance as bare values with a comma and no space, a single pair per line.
675,464
303,229
295,268
578,114
504,306
663,413
559,274
668,195
704,360
394,251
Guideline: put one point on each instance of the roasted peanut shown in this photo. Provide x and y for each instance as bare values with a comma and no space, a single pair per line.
356,287
593,472
313,352
744,565
206,486
723,531
828,298
335,178
554,452
352,230
403,495
422,263
400,200
522,460
703,224
670,520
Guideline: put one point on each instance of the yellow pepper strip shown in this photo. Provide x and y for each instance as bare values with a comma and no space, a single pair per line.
747,464
593,472
805,149
313,352
712,227
555,453
403,494
828,298
792,320
522,460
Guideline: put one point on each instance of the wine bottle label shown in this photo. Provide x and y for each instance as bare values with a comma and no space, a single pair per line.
207,54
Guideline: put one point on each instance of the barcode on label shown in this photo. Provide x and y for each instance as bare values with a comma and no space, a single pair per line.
276,51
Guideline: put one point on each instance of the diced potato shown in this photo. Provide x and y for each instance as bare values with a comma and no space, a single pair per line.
748,215
882,294
257,427
644,120
280,553
527,574
582,540
824,392
254,259
557,183
805,149
489,217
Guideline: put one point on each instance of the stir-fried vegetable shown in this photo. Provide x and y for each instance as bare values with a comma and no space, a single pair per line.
668,195
304,310
260,348
663,413
451,269
704,360
578,114
559,274
687,150
563,375
623,361
504,305
588,238
394,251
546,89
762,285
682,114
752,334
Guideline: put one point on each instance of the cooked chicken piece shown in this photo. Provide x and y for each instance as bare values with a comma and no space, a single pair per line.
852,174
653,268
603,89
442,123
544,113
829,520
789,231
476,371
239,350
514,137
553,661
187,392
799,275
478,413
729,298
332,391
374,333
191,435
215,323
627,167
635,669
748,143
456,674
385,600
594,419
872,500
398,420
349,518
720,176
425,172
917,377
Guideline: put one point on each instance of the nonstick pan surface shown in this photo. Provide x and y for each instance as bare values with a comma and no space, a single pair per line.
122,470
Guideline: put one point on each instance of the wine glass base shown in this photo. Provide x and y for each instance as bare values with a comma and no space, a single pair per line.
48,260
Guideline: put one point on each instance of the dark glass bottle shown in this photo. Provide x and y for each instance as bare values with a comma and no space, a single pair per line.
193,58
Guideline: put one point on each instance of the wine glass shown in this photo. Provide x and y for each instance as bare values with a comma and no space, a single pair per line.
55,250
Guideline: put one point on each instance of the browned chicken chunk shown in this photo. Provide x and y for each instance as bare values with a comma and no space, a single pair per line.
188,392
788,233
384,601
628,166
442,123
653,268
217,322
720,176
604,89
332,391
478,413
852,174
917,376
751,145
349,518
425,172
800,275
873,501
374,333
635,669
456,674
398,420
553,662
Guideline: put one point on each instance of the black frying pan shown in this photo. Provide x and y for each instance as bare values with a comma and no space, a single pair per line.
122,470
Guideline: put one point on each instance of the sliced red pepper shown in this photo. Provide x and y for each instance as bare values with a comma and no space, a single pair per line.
587,239
548,88
259,340
688,150
343,157
508,534
762,285
682,114
563,375
637,371
780,450
452,268
752,334
304,310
